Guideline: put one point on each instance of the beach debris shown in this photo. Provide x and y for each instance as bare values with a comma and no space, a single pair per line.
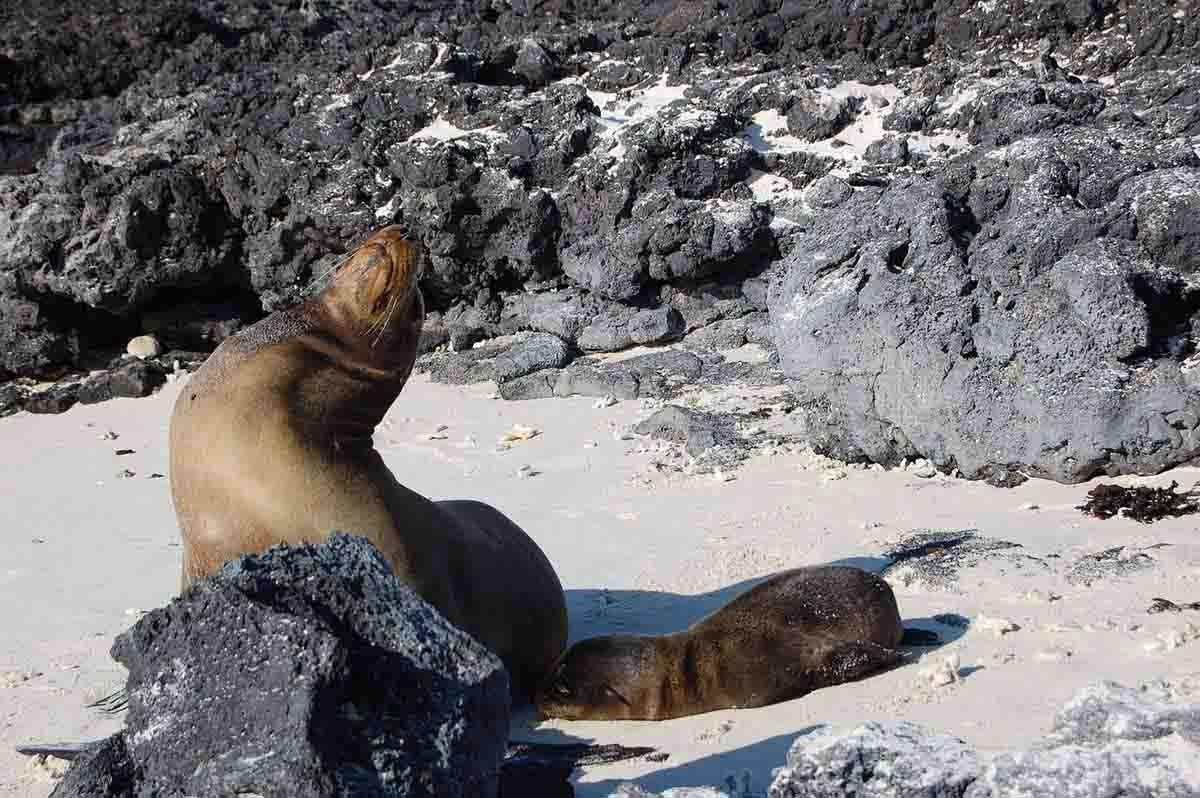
1165,605
715,732
155,475
922,468
1141,503
1030,506
1112,562
943,671
519,432
608,400
123,452
125,473
109,436
144,346
997,627
438,434
590,444
1171,639
15,678
526,471
1053,654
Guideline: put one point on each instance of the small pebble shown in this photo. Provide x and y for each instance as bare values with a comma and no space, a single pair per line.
519,432
144,346
125,473
606,401
590,444
998,627
122,452
1053,655
526,471
943,672
109,436
1030,506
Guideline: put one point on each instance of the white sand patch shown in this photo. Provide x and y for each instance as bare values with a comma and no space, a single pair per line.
633,105
630,558
443,130
768,133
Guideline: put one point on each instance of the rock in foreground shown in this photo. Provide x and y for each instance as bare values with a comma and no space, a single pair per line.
302,672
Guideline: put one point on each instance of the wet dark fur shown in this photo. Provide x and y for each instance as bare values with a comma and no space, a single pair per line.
793,633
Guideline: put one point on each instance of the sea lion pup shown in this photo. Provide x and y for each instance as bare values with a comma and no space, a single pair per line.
271,442
796,632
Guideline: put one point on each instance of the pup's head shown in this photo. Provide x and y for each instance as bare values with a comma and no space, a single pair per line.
600,678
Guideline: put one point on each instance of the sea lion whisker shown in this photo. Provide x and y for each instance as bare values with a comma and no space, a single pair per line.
391,310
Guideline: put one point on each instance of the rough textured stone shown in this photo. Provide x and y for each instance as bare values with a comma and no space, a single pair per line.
104,771
876,760
310,671
529,353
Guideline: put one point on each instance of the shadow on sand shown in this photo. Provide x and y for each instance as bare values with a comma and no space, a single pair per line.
599,612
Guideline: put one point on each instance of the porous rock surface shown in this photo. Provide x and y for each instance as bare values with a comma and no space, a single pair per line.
1108,740
304,671
968,232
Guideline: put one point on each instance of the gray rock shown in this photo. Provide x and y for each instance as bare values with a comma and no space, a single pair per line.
608,332
529,353
656,326
697,431
105,770
1039,342
829,192
655,375
813,116
315,672
538,385
874,760
534,64
891,150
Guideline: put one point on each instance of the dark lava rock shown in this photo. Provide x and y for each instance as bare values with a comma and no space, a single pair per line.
529,353
1108,564
12,397
1107,740
104,770
131,380
621,328
812,116
538,385
654,375
936,557
892,150
310,671
877,760
58,398
991,319
697,431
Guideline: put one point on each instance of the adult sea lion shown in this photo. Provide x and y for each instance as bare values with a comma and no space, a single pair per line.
271,442
798,631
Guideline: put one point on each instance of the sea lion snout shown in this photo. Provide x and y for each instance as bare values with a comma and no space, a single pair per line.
592,678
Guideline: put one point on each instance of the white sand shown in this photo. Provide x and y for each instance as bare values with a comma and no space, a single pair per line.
84,549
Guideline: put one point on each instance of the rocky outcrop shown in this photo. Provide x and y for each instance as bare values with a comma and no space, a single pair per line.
978,224
306,671
1107,740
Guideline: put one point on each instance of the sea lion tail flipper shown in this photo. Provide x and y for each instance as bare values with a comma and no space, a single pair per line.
920,637
848,661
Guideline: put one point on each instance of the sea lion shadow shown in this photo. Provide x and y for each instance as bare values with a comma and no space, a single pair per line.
756,758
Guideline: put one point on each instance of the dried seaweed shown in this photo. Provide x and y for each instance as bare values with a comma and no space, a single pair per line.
1166,605
1140,503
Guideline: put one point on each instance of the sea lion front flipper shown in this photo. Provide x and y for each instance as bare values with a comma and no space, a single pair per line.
851,660
920,637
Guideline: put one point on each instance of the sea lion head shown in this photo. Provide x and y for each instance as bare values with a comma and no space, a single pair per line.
374,298
601,678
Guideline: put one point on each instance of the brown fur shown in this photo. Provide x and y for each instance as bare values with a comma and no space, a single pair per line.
794,633
271,442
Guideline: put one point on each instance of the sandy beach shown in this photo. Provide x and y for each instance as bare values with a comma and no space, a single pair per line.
90,540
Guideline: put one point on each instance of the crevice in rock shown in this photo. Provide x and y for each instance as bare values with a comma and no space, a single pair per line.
22,146
1174,310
